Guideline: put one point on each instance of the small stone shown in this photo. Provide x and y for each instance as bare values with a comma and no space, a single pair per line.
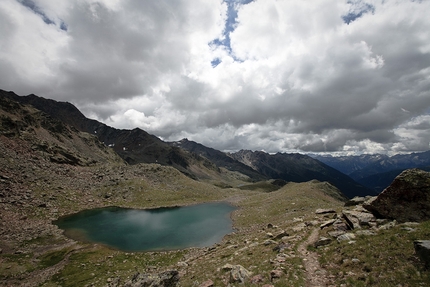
207,283
387,226
322,241
281,247
324,211
182,264
336,233
346,236
281,234
297,219
327,223
269,242
276,274
227,267
299,227
257,279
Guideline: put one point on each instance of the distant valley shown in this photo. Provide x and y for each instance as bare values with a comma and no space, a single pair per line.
376,171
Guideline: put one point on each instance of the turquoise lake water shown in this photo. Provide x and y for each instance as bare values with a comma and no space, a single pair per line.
173,228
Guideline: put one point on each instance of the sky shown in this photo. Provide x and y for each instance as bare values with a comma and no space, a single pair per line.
336,76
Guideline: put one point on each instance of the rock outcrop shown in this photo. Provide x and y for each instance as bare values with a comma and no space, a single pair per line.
406,199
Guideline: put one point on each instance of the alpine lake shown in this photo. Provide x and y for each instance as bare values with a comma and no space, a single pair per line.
134,230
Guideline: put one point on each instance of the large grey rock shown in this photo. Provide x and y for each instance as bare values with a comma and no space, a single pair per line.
406,199
356,219
422,249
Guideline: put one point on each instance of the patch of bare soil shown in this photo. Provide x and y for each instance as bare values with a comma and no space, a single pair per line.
315,275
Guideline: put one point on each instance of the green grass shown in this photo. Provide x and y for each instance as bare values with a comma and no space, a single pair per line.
96,265
52,258
385,259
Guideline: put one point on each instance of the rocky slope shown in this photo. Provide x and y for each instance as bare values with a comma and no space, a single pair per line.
134,146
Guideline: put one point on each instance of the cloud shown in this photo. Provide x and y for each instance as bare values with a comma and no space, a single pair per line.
263,75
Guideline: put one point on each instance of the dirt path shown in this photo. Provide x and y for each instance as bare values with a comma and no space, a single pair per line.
315,275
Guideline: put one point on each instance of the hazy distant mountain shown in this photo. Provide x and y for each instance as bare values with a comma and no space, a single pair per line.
376,171
299,168
350,164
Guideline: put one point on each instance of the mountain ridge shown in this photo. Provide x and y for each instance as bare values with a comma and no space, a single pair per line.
298,168
193,159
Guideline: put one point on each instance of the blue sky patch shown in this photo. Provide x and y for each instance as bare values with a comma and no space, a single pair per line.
230,25
36,9
358,9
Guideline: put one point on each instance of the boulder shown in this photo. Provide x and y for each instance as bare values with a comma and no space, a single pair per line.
406,199
239,274
356,219
422,249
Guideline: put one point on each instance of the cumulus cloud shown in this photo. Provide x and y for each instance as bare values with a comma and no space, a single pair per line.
341,76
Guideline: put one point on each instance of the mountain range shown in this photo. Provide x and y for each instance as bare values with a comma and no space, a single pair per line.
376,171
199,162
